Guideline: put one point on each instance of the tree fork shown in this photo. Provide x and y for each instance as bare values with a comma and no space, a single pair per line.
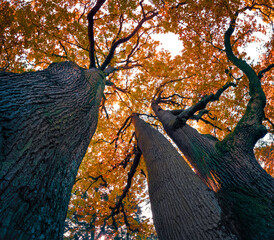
47,120
195,147
182,206
239,181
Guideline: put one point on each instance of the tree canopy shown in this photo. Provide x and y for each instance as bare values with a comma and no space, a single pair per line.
110,193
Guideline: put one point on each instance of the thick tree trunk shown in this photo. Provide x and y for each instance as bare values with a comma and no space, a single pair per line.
182,206
47,119
244,189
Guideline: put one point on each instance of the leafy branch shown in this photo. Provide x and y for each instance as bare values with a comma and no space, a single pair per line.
115,44
119,204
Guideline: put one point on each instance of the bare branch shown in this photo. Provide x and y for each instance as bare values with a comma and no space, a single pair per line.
197,118
84,11
95,179
203,39
146,16
129,67
57,55
120,89
175,95
142,7
131,173
110,70
119,205
63,48
121,21
104,108
159,89
272,124
129,64
235,41
100,50
169,100
261,73
121,131
188,113
90,16
125,39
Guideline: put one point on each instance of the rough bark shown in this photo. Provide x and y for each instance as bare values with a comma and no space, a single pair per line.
182,206
47,119
229,167
249,129
244,189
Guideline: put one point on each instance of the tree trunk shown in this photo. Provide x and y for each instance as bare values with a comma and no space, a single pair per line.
47,120
244,189
182,206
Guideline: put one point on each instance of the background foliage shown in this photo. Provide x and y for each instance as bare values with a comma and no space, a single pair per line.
34,34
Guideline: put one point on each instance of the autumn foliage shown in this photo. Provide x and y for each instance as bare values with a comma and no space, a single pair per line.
34,34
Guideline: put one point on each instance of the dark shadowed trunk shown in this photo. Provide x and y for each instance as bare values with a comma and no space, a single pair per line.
244,189
182,206
198,149
47,119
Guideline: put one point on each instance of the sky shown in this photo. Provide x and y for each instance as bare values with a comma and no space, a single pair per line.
170,42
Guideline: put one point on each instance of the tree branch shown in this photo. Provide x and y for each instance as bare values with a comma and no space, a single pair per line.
188,113
93,178
125,39
261,73
121,131
254,83
131,173
125,218
90,16
159,89
135,63
249,129
119,204
272,124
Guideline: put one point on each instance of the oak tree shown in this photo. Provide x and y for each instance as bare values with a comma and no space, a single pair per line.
48,118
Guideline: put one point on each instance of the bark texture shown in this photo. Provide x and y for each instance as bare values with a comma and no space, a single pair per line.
47,119
182,206
244,189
